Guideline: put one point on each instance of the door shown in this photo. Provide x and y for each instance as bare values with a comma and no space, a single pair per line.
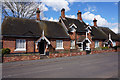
42,47
84,46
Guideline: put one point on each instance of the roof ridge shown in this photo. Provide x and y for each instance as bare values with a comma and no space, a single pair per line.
71,18
50,21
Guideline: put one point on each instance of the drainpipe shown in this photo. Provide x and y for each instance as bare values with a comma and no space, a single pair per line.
34,46
75,40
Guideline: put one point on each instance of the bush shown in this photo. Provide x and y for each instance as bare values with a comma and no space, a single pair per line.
98,48
105,48
6,51
115,47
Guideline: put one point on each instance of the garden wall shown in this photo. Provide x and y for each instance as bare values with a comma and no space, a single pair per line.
20,58
53,55
102,51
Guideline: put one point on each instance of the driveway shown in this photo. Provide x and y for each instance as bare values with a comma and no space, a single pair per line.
104,65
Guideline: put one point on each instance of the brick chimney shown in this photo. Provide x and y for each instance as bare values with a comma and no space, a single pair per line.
79,17
63,13
95,22
38,14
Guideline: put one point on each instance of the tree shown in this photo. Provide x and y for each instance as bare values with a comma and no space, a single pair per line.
20,9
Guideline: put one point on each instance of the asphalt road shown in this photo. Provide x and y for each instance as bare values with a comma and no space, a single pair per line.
103,65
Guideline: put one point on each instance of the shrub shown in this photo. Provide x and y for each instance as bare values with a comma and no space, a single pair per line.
104,48
98,48
115,47
6,51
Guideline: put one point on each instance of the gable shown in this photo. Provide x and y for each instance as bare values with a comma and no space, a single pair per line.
80,25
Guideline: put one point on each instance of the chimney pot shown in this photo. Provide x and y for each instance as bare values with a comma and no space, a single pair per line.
79,17
38,14
95,22
63,13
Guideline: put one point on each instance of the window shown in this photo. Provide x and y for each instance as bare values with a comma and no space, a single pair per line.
20,44
72,44
59,44
96,44
114,43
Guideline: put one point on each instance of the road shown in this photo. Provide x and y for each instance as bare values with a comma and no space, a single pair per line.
103,65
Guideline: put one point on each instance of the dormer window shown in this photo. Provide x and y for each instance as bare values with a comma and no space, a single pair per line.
72,28
88,29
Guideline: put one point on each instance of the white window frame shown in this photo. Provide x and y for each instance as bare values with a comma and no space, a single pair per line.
114,43
72,44
20,45
87,46
59,44
81,48
97,44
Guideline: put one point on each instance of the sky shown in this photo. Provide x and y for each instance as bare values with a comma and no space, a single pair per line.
106,13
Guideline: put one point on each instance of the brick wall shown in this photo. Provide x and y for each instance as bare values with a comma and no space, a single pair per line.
21,58
117,43
67,54
72,35
66,43
93,44
10,42
53,55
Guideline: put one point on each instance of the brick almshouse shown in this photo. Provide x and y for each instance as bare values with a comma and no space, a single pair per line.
35,35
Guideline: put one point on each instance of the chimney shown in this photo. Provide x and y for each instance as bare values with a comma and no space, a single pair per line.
95,22
63,13
79,17
38,14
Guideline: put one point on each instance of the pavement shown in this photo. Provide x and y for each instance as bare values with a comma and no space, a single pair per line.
104,65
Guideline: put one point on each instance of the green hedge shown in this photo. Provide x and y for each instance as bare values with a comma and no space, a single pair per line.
6,51
105,48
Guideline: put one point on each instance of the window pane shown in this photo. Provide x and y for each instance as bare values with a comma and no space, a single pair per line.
96,44
20,43
59,43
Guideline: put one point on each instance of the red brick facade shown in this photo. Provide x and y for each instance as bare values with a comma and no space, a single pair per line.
10,42
66,43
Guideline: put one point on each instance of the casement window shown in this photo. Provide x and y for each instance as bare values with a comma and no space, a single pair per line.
59,44
87,46
114,43
72,44
72,29
96,44
20,45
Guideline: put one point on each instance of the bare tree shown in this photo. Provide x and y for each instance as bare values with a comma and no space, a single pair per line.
20,9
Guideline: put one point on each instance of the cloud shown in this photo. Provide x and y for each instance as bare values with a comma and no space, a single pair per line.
71,16
88,16
43,7
116,3
57,5
50,19
115,29
90,8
